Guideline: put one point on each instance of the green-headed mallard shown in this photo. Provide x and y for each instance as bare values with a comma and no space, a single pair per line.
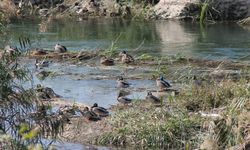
152,98
163,84
60,48
121,83
100,111
107,61
126,58
122,99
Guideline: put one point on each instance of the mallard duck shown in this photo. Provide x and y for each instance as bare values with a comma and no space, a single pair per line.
100,111
67,109
90,115
46,92
60,48
106,61
152,98
42,95
41,64
39,51
121,83
50,92
163,84
126,58
122,99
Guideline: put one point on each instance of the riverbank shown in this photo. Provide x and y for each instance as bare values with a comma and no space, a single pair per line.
219,10
209,110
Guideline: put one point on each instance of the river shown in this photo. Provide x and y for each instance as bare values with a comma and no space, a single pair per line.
217,41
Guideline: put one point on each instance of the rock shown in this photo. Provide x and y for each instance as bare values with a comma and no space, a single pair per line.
183,9
168,9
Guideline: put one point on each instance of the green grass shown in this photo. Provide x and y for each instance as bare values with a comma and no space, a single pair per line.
149,126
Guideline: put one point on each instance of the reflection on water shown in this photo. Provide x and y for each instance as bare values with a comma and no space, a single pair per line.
163,37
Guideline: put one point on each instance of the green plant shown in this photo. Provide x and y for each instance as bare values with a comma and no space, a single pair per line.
204,9
113,50
145,125
24,118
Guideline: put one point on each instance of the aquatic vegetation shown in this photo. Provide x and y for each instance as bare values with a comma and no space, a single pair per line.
145,57
204,9
113,49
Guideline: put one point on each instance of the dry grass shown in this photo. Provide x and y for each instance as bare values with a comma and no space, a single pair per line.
213,114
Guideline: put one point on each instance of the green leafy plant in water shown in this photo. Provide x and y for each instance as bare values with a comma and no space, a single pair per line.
113,50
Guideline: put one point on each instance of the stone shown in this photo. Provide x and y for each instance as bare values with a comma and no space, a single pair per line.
222,9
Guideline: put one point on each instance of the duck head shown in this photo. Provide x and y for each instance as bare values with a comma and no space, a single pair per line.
120,78
122,53
95,105
149,93
161,77
194,77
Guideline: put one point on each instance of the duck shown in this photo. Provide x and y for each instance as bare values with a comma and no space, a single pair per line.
60,48
107,61
163,84
90,115
46,92
121,83
49,91
125,57
122,99
67,109
39,51
100,111
10,50
152,98
196,82
41,64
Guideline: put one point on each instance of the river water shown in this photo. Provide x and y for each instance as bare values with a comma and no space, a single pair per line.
217,41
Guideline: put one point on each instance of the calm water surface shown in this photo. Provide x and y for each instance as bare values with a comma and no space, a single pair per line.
218,41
